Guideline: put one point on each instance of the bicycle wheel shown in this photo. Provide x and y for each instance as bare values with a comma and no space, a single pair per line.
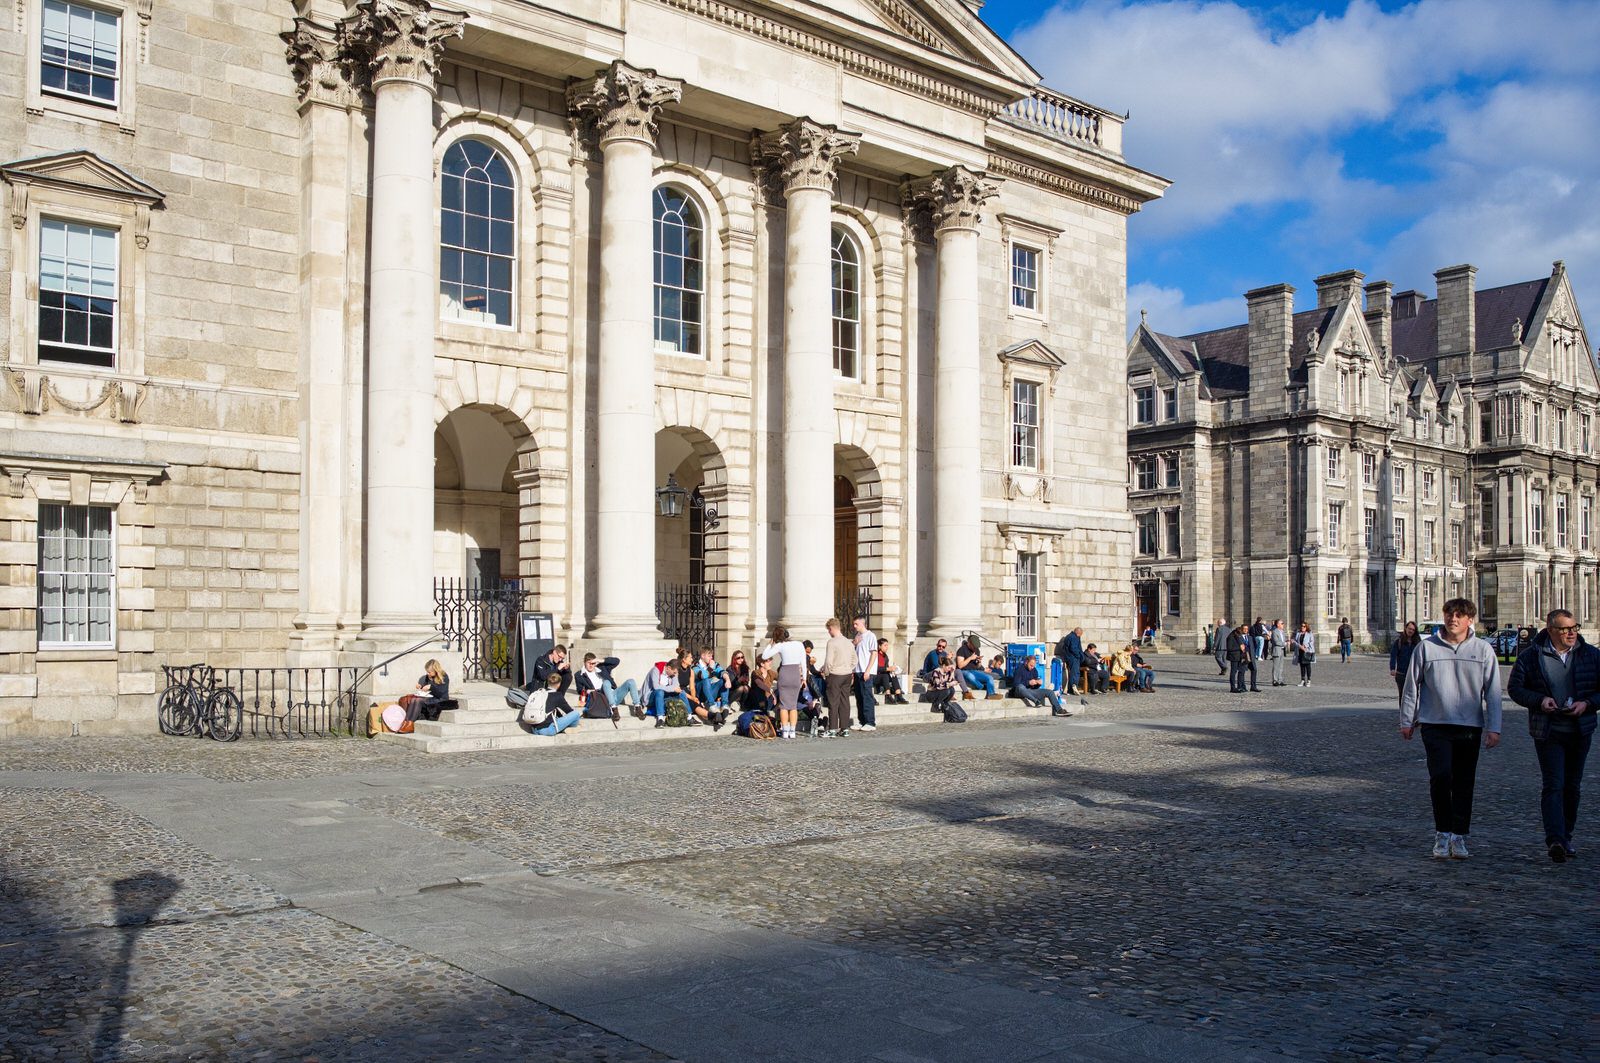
225,715
175,711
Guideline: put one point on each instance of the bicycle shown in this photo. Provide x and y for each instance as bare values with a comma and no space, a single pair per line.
194,705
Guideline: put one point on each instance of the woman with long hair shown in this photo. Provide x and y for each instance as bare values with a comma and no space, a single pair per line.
1400,654
432,695
738,677
790,657
1305,651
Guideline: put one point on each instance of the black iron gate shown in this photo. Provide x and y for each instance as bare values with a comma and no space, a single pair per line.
852,602
479,620
688,613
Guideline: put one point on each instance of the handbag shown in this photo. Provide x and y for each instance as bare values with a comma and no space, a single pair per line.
761,727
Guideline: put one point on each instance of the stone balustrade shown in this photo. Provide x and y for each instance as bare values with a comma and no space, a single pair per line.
1064,118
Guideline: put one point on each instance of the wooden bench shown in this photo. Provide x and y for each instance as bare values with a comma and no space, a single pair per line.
1117,682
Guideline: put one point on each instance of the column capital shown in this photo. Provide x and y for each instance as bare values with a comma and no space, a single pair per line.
400,40
622,103
953,198
323,72
803,154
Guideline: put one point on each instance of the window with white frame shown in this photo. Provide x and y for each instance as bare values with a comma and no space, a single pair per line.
1027,596
1171,470
1024,277
1024,424
1369,468
1536,516
1400,537
77,293
1561,429
1455,490
1145,525
77,567
1144,472
1169,404
1585,433
80,52
847,308
1586,597
1174,529
1585,521
1536,423
1144,405
1344,389
1430,533
1429,590
1538,592
1174,598
1335,582
1335,525
679,253
1427,484
1458,543
1335,462
1561,521
1369,529
1397,479
477,234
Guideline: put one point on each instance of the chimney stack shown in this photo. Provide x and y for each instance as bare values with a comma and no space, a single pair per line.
1406,304
1380,314
1271,345
1457,311
1335,288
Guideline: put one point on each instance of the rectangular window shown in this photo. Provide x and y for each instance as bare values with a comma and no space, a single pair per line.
1455,490
79,52
1024,277
1430,532
1174,598
1561,429
77,293
1334,580
1144,405
1169,404
76,576
1400,537
1344,389
1369,469
1025,424
1369,528
1335,462
1536,516
1335,525
1485,516
1172,471
1585,433
1428,590
1027,596
1144,473
1485,423
1536,423
1146,526
1427,484
1585,522
1174,532
1398,479
1561,521
1458,543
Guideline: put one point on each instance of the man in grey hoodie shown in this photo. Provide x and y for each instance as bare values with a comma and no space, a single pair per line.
1453,690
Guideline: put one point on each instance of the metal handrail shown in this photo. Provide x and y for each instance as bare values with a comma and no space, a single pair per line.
382,667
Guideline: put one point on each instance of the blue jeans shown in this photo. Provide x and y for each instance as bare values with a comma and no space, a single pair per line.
1144,678
1035,695
866,703
1074,673
560,723
976,678
615,694
1344,649
658,701
713,692
1561,759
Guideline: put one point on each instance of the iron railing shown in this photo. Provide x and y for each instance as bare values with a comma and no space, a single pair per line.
479,620
851,603
687,613
295,702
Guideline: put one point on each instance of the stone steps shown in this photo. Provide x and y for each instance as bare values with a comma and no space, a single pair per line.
484,722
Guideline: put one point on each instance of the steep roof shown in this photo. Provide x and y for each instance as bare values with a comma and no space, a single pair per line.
1416,339
1224,354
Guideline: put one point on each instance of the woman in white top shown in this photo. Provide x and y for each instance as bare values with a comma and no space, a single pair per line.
1305,647
791,656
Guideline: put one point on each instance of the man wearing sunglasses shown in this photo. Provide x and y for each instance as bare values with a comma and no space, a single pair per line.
1557,679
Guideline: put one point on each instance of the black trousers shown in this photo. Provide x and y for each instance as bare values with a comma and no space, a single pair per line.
839,700
1452,770
1561,759
1236,673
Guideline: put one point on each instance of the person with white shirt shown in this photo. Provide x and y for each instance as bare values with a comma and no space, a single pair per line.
596,675
866,671
791,657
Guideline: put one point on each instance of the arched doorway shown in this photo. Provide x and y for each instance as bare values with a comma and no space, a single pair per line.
846,539
857,535
691,544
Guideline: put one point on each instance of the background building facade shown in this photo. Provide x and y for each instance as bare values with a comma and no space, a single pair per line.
314,305
1369,458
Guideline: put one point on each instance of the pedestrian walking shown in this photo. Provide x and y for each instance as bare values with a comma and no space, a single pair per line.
1219,648
1400,654
1278,648
1557,679
1453,692
1305,651
1347,636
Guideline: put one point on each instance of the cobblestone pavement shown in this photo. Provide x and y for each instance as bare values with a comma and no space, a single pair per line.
120,942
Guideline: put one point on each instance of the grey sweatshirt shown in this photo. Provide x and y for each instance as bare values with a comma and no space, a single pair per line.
1452,684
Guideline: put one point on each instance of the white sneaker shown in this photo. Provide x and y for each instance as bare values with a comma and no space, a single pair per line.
868,727
1458,847
1441,845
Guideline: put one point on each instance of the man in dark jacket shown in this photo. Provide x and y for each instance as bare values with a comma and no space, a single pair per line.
1070,650
1241,660
552,663
1557,679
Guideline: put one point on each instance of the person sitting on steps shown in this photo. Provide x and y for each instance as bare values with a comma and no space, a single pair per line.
660,683
969,662
550,715
941,683
1026,684
596,675
888,681
553,663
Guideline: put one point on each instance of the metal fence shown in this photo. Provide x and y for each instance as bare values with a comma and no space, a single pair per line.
849,603
687,613
479,620
295,702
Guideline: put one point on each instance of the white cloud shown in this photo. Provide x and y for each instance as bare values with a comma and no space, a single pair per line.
1172,313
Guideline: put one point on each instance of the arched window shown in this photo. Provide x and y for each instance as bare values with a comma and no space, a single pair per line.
477,234
679,273
846,305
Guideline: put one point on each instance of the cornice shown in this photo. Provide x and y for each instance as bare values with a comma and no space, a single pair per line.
1067,186
853,60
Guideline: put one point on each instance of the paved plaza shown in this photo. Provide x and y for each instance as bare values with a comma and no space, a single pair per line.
1188,875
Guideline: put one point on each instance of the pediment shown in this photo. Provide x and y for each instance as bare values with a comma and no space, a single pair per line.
83,172
948,27
1034,353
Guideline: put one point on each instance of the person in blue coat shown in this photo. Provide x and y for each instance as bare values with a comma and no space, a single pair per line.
1070,650
1557,679
1400,654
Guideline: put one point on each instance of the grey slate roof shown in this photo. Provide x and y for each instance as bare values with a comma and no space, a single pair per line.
1224,354
1416,339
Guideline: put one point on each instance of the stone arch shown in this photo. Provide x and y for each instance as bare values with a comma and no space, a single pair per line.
696,548
503,135
866,533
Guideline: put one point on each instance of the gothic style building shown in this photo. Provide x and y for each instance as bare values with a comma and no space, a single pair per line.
459,293
1369,458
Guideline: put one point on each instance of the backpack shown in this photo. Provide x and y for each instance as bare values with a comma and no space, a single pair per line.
954,713
677,713
517,698
596,706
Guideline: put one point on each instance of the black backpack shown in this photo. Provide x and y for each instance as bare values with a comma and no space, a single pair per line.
954,713
596,706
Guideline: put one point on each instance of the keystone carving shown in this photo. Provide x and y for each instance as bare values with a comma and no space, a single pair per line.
953,198
803,154
400,39
622,103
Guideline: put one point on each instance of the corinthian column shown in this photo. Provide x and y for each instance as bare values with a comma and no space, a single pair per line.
399,42
620,107
802,157
954,199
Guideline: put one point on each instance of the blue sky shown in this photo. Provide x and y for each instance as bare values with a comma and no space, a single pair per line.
1302,137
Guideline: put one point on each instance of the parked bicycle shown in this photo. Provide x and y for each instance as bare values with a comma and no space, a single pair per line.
194,704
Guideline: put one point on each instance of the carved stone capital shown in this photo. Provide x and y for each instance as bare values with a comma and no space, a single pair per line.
400,39
323,72
803,154
953,198
622,103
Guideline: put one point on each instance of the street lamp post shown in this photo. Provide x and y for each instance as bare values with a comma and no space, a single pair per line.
1404,583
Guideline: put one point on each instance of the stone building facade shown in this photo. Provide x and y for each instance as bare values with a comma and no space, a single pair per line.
315,303
1369,458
